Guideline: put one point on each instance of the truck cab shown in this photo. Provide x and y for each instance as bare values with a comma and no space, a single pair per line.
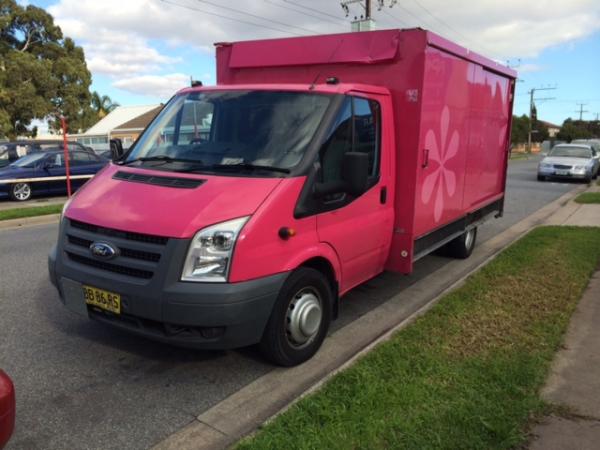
240,213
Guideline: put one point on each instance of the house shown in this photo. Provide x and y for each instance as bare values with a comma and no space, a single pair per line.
552,128
124,122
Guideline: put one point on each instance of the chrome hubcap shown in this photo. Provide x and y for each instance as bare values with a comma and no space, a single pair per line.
22,191
304,317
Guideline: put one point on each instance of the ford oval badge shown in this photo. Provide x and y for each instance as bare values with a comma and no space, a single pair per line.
103,250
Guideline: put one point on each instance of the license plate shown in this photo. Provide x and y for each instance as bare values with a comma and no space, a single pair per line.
108,301
562,172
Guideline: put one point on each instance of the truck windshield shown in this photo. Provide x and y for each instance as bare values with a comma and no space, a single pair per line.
233,131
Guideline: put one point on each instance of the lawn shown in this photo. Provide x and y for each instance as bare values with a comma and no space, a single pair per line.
467,374
519,156
588,198
18,213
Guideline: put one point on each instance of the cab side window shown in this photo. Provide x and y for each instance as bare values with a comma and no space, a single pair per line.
338,143
357,129
366,131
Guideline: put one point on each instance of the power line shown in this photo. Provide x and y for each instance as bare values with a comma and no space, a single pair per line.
311,9
255,16
402,22
305,13
210,13
451,28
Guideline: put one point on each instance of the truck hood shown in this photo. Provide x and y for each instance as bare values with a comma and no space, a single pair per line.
166,211
568,161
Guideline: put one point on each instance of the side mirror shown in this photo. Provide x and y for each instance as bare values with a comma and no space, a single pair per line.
355,176
116,149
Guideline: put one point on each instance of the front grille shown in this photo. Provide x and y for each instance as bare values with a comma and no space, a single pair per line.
561,167
126,252
139,237
115,268
174,182
138,255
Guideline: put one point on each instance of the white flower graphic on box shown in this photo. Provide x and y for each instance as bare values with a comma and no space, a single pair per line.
441,181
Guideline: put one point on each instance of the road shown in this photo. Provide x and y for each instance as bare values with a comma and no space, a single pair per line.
81,385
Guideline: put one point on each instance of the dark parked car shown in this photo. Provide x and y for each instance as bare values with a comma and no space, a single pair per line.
44,172
11,151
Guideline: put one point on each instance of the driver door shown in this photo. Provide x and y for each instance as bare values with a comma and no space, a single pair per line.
359,228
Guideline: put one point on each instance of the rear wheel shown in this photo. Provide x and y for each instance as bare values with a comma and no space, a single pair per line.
299,320
462,246
20,192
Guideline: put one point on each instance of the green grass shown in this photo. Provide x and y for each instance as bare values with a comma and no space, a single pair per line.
588,197
519,156
466,374
18,213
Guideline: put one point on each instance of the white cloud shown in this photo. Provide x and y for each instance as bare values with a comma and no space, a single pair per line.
136,38
162,86
529,67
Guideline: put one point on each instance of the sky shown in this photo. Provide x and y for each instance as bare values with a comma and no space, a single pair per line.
142,51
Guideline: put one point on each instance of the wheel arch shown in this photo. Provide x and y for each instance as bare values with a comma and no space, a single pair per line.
323,265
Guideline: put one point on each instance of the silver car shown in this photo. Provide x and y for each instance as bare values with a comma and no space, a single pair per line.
576,161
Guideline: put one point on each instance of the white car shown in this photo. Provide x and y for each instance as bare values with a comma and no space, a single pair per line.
575,161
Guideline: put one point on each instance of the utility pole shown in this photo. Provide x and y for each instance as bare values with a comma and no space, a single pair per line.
531,108
365,22
581,110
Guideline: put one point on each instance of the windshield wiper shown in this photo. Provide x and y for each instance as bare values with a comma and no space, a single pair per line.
163,158
247,166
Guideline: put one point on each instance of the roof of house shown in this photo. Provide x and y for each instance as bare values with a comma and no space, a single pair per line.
140,122
549,124
120,115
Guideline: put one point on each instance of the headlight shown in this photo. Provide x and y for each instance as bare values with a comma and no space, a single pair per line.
545,166
578,168
209,256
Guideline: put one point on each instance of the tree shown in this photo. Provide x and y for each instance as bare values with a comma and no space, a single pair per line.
43,74
574,129
520,128
102,104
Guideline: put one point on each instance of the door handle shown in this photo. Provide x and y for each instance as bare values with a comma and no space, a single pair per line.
383,195
425,158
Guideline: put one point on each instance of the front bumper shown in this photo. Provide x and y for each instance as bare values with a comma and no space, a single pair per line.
565,174
196,315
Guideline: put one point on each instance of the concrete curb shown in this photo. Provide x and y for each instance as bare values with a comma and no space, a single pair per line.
12,224
244,411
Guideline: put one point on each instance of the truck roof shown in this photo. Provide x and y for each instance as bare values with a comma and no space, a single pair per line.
369,47
324,88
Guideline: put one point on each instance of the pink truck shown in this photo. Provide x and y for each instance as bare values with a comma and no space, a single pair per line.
246,210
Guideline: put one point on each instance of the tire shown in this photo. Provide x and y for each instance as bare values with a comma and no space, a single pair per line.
541,178
462,246
291,338
20,192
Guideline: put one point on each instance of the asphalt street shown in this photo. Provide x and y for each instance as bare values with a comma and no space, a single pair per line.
82,385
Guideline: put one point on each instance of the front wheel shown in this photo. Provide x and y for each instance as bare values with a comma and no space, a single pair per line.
300,318
462,246
541,178
20,192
